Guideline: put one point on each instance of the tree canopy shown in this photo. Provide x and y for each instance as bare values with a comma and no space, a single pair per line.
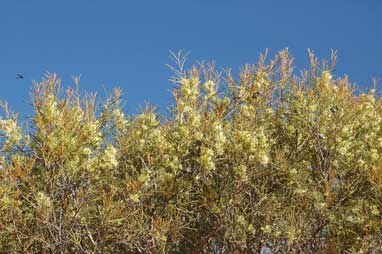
267,158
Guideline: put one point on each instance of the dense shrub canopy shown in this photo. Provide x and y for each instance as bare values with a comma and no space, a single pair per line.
269,156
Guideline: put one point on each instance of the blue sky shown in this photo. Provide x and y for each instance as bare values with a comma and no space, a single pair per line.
127,43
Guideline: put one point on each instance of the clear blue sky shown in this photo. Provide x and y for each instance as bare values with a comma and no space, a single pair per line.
127,43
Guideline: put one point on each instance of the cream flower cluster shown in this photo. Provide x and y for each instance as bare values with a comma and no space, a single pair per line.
206,159
220,138
109,158
11,132
44,205
190,88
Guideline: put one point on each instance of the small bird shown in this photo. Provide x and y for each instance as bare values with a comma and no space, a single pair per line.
19,76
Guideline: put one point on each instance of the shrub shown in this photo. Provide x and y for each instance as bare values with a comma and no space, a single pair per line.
269,156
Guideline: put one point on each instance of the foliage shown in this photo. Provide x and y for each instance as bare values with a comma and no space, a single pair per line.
268,156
